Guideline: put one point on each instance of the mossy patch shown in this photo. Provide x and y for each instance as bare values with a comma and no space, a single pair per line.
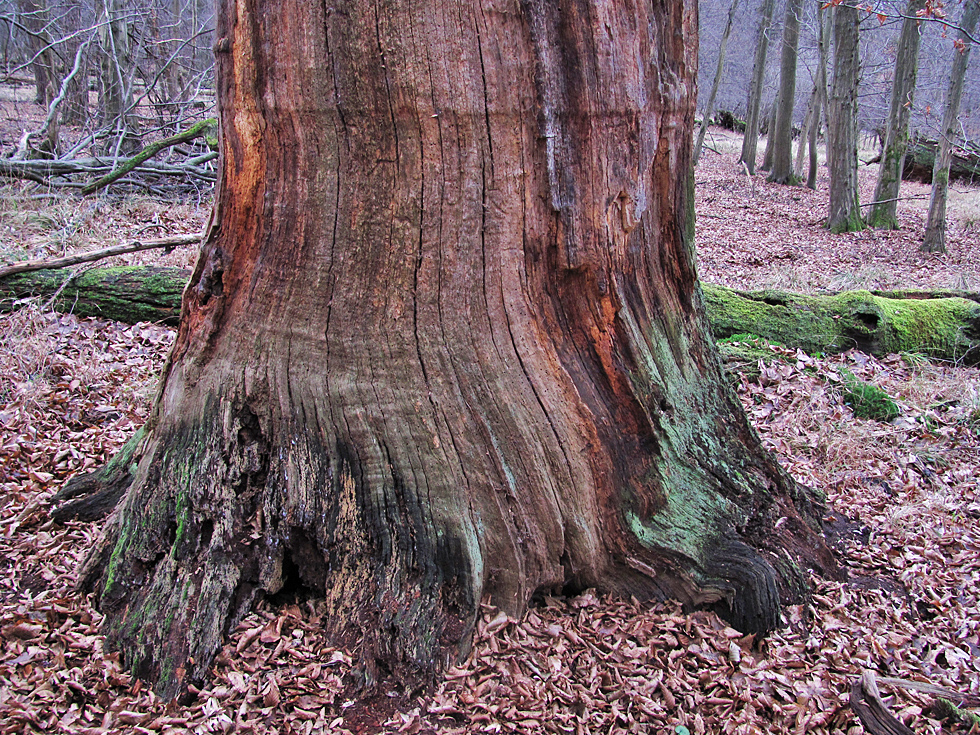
868,401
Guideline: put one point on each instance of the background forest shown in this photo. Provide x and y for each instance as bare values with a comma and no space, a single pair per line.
106,143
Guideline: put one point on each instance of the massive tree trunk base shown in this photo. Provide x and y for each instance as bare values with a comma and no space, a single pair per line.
444,343
207,530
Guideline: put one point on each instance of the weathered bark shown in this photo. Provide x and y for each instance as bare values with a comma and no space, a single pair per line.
934,240
782,136
445,342
845,209
884,207
94,495
750,143
709,106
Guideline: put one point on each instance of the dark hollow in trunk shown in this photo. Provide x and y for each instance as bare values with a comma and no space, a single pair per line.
445,343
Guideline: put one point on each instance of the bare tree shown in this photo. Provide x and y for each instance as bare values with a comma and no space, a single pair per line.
885,204
750,142
117,75
824,19
934,240
782,136
709,107
34,17
845,209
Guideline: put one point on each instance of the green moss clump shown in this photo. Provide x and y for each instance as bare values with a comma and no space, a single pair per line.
868,401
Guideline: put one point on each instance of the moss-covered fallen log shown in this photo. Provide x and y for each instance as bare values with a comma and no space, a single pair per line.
127,294
941,325
940,328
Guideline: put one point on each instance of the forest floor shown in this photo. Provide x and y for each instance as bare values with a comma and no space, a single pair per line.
903,504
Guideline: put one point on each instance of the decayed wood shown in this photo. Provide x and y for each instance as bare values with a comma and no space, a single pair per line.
26,266
964,164
959,698
871,710
94,495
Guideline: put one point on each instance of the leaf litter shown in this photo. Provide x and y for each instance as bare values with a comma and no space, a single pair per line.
903,514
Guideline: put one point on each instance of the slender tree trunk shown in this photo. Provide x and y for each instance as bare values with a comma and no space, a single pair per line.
445,342
812,110
884,207
709,107
824,19
116,93
782,137
935,236
770,135
845,209
34,16
750,142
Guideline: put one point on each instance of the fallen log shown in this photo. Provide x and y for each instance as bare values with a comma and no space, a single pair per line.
940,328
943,328
201,129
921,158
127,294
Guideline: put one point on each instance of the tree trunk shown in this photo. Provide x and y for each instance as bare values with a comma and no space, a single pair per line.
116,77
709,107
934,240
770,137
35,18
812,109
823,33
750,143
782,137
845,209
445,343
74,110
884,207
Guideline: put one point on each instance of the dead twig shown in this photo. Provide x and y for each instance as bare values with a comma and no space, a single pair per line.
27,266
871,710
